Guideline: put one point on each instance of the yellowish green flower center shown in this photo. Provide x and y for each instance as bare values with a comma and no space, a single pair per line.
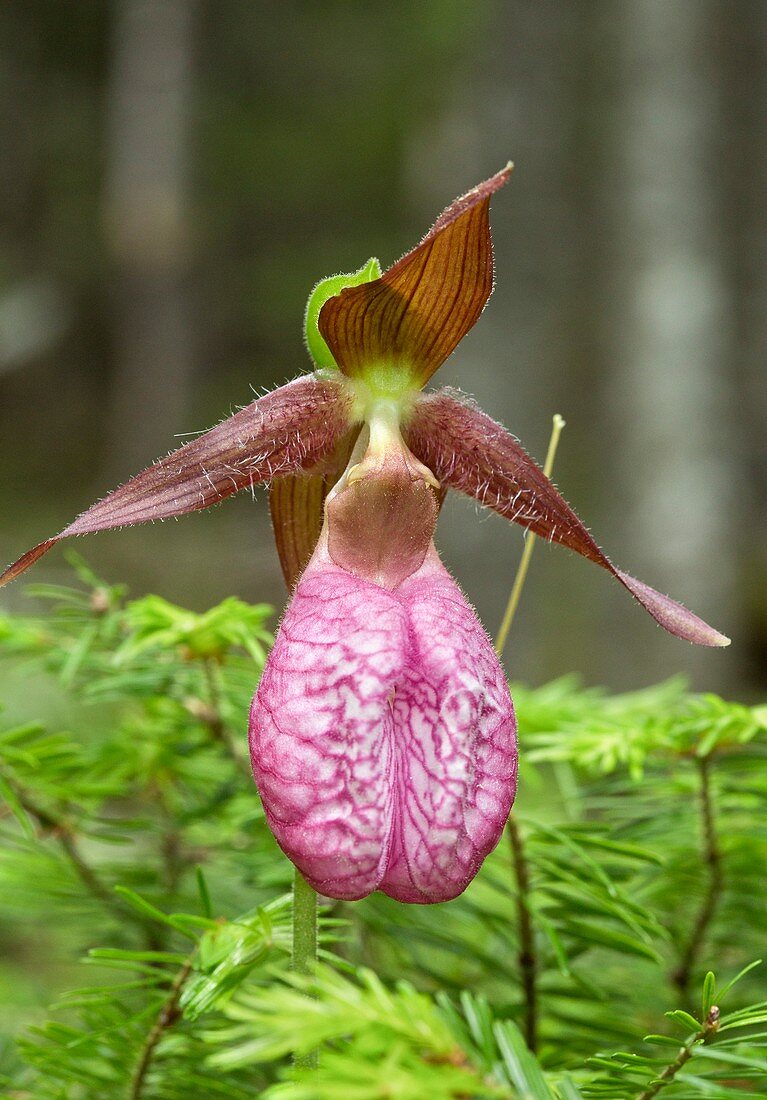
382,384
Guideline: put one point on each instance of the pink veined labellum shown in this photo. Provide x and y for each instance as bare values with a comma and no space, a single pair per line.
382,734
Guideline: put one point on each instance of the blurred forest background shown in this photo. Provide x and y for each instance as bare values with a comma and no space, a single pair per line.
177,174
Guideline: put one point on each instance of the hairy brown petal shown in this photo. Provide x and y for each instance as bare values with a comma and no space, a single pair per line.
418,311
293,428
296,503
467,450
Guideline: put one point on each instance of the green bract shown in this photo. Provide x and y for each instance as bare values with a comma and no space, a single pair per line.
325,289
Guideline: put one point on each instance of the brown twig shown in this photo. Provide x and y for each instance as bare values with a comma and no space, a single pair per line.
527,956
712,858
85,873
210,712
61,830
167,1017
705,1034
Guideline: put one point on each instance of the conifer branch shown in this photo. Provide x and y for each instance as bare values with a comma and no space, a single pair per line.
61,830
712,858
527,956
705,1034
169,1014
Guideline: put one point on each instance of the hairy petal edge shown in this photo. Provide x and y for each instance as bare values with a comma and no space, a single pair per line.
292,428
469,451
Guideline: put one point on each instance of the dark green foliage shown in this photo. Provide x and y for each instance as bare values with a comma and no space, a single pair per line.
633,865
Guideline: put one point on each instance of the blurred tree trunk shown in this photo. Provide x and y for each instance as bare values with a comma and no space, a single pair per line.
669,316
146,207
614,308
535,97
743,40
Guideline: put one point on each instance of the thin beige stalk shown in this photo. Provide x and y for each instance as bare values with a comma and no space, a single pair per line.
516,589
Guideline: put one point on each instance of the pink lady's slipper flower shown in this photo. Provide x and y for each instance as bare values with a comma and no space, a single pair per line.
382,733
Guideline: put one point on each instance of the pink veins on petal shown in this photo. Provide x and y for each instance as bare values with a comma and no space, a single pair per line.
383,735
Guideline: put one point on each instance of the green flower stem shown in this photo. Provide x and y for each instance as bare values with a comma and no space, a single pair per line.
304,925
304,943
